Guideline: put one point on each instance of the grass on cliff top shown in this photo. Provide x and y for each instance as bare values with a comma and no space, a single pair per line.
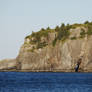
88,25
43,32
63,33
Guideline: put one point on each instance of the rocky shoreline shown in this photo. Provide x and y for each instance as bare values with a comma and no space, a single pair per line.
72,70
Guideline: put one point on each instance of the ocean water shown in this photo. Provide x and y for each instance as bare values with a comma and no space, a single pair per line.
45,82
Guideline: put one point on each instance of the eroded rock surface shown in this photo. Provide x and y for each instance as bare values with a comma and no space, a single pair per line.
61,57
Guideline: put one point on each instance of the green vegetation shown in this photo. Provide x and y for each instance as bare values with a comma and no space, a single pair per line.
73,38
48,28
57,28
89,32
82,33
86,22
28,36
76,25
43,32
54,41
41,45
31,50
62,33
36,37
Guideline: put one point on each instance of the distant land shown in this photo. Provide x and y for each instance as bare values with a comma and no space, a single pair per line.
54,50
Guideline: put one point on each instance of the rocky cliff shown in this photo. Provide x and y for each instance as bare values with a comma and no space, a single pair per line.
55,50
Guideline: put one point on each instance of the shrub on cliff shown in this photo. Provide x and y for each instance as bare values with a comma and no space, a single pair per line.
62,33
76,25
37,35
68,27
82,33
48,28
54,42
41,45
73,38
89,32
86,22
57,28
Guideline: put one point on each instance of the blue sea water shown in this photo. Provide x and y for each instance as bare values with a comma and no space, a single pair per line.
45,82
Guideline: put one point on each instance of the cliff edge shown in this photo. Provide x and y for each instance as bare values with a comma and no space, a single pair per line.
55,50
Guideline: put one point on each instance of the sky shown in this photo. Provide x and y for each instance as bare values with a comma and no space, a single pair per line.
18,18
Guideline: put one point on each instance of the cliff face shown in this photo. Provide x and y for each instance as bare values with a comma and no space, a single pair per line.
63,56
8,64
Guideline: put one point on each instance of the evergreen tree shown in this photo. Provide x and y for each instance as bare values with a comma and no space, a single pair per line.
48,28
57,28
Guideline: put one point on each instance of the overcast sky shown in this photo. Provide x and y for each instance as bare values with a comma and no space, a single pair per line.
18,18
